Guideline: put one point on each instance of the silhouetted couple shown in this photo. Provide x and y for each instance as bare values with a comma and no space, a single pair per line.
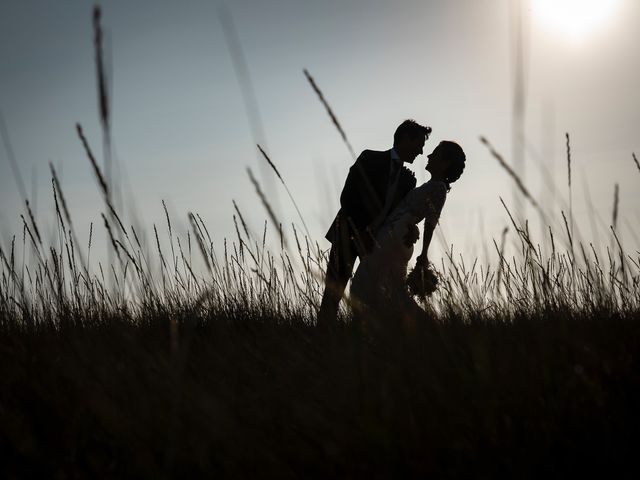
380,207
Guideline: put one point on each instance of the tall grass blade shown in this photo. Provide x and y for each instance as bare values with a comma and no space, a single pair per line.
104,187
103,97
568,144
333,117
512,174
264,154
265,202
616,201
8,148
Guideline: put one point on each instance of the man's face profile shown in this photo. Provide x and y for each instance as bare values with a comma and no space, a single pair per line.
414,147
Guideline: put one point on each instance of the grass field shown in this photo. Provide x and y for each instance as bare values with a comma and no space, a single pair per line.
194,393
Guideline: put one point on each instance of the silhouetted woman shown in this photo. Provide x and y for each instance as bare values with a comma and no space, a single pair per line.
380,294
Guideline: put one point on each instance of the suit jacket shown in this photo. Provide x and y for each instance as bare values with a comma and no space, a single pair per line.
364,194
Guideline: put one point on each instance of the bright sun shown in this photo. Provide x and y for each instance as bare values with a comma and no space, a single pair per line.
574,18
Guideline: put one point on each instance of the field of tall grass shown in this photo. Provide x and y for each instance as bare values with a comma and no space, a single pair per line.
180,360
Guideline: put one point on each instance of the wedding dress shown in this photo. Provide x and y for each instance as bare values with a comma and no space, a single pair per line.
378,287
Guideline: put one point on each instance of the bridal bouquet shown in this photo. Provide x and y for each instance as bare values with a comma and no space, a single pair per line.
422,280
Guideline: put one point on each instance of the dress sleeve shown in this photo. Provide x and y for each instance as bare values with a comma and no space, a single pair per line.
428,202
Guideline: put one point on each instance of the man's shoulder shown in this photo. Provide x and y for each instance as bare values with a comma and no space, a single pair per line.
374,158
375,154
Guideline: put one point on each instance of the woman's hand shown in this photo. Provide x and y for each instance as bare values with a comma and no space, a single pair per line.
422,260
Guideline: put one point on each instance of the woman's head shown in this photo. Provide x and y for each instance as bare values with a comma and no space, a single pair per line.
446,162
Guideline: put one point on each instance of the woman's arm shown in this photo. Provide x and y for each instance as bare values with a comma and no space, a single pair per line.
426,240
434,206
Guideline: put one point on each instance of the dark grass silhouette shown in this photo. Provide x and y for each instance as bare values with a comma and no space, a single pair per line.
195,362
242,393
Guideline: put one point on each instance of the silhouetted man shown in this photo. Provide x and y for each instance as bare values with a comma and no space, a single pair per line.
376,183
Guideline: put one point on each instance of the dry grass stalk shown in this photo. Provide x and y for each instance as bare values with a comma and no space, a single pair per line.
9,265
17,176
512,174
503,238
523,234
90,239
57,205
568,229
56,186
173,253
103,101
96,170
126,251
621,252
265,202
264,154
333,117
616,201
241,242
273,167
111,237
244,224
196,232
33,222
163,263
120,224
58,193
568,145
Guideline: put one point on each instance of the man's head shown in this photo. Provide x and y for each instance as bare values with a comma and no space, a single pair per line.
409,140
446,162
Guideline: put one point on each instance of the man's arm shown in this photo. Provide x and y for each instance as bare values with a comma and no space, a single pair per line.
358,198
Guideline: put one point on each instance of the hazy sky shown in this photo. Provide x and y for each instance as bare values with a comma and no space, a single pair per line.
181,132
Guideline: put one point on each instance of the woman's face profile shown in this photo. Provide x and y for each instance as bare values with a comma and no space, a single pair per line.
435,161
442,163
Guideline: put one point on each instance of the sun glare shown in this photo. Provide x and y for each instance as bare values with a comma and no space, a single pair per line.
576,19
